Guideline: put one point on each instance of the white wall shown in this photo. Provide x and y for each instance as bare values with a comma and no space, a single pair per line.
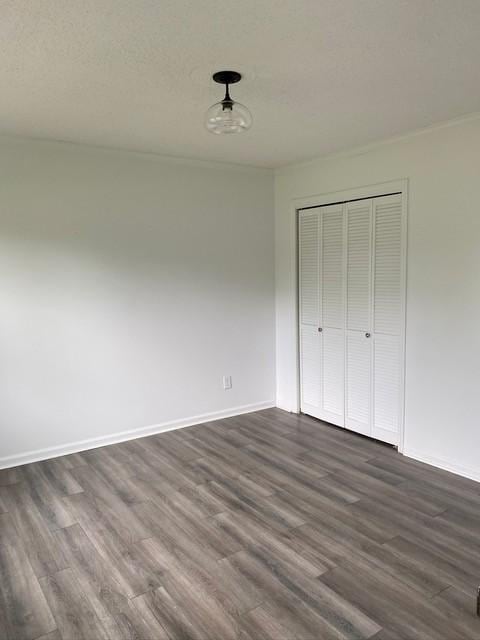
443,281
129,285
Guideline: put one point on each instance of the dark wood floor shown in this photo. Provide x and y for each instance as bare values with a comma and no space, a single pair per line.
267,525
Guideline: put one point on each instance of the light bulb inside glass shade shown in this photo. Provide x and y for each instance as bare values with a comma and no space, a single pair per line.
230,118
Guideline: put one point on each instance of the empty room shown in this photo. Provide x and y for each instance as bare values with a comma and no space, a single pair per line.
239,320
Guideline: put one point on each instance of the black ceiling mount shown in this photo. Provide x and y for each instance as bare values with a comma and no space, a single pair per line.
227,77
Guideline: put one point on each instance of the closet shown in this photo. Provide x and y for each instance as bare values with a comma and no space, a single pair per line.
351,314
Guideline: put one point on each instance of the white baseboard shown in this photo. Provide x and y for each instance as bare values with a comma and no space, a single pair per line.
453,467
132,434
284,407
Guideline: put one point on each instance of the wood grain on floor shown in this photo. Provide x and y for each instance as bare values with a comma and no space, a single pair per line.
263,526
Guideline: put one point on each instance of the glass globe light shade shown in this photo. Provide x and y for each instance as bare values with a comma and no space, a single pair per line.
228,117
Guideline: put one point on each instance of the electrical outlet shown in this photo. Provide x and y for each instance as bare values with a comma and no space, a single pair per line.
227,382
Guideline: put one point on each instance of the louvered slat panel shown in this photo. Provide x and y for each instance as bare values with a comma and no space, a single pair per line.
387,369
310,339
309,263
332,314
387,271
358,265
310,368
332,267
387,317
333,375
358,317
358,382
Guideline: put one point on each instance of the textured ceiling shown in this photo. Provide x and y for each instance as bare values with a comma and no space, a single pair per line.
321,75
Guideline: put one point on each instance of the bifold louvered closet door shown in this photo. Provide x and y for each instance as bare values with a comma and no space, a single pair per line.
322,313
351,314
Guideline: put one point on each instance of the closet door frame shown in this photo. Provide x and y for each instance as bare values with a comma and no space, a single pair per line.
338,197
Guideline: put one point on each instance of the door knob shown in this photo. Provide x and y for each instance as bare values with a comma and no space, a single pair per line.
367,335
320,329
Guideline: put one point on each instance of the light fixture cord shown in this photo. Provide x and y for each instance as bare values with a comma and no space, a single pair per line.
227,102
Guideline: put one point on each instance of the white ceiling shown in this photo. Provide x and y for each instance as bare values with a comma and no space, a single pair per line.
321,75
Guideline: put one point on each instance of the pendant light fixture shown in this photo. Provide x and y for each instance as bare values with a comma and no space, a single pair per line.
228,116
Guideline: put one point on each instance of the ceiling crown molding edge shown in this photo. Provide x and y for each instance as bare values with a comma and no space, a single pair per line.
152,155
355,151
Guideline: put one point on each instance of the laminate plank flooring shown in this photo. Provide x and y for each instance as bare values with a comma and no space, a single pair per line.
265,526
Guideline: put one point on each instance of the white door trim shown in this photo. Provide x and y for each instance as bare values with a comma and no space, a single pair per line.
355,193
